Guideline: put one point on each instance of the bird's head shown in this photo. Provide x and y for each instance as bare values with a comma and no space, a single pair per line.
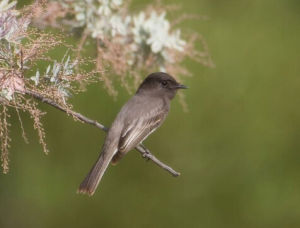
160,84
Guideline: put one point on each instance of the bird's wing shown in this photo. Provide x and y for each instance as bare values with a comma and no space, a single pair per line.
136,131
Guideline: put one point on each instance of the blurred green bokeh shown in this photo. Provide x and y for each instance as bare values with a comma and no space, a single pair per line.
238,147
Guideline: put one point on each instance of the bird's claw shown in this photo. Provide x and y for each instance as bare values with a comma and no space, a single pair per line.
145,156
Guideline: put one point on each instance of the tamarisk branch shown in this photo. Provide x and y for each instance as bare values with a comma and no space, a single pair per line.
141,148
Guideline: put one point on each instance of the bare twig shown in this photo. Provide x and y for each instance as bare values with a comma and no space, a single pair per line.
184,17
142,149
81,43
147,154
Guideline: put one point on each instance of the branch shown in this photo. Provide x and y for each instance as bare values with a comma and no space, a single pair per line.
147,154
142,149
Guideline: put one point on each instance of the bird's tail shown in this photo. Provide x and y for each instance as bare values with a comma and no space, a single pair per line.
91,181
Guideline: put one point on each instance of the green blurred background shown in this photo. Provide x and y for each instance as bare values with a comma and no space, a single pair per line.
237,148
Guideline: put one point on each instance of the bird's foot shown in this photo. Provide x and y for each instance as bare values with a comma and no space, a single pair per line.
146,152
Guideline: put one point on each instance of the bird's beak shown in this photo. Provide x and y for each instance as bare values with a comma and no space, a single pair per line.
180,86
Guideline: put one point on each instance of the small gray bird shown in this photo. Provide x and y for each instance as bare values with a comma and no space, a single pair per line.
138,118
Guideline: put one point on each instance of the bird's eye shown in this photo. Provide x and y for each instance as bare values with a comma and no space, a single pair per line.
164,83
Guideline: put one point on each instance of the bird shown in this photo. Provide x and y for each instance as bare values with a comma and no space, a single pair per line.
137,119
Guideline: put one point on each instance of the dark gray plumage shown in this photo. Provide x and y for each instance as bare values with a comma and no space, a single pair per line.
137,119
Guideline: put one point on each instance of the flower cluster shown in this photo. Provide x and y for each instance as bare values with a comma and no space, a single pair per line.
129,43
106,19
57,75
11,33
154,32
101,18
